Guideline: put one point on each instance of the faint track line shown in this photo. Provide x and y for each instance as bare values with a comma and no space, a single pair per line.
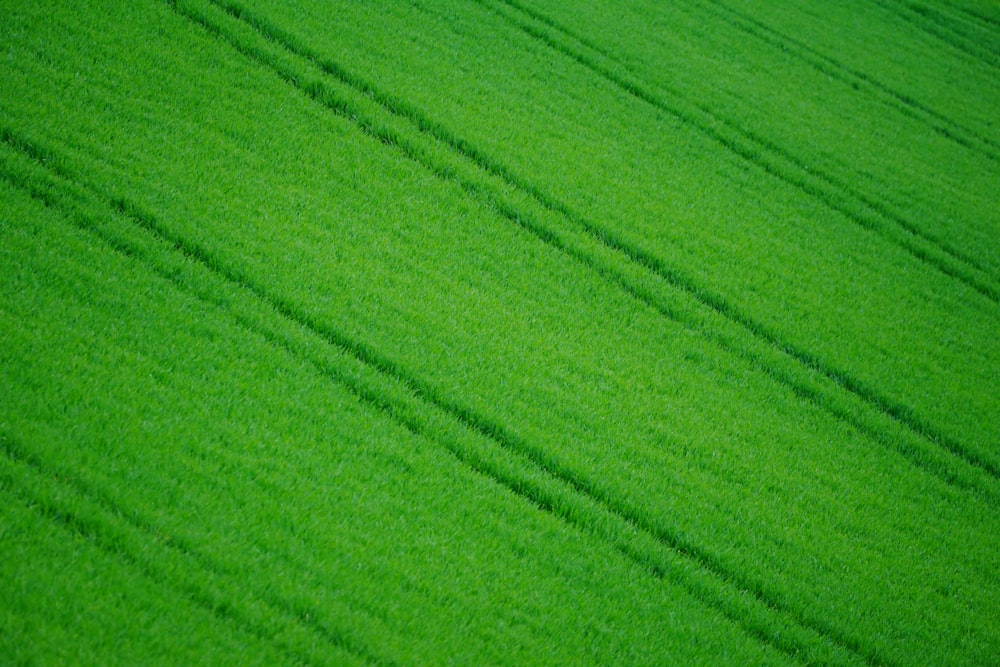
776,161
988,22
178,545
901,102
115,544
521,487
934,23
821,62
897,411
469,419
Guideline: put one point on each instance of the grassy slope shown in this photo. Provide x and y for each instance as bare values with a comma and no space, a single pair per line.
632,369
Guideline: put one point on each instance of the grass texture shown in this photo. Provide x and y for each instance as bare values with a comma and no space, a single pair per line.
499,332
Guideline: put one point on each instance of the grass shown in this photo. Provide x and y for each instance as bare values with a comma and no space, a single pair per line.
498,332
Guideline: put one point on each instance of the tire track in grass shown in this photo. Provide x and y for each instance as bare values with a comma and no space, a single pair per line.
600,238
861,209
821,62
936,24
827,66
484,428
920,454
986,22
860,80
470,420
72,504
536,485
897,411
292,612
503,457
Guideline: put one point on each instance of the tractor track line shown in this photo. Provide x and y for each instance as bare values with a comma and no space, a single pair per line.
933,23
480,426
990,22
897,412
526,489
300,616
821,62
118,520
764,154
901,102
501,437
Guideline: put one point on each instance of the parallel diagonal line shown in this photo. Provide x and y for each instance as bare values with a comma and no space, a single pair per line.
113,540
630,253
289,610
551,487
830,66
933,22
847,382
988,22
821,62
860,208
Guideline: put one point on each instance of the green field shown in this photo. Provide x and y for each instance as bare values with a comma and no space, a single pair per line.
499,332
